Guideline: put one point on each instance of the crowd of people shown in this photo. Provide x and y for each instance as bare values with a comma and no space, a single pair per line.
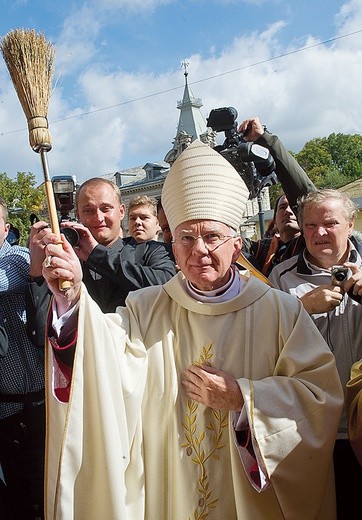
169,382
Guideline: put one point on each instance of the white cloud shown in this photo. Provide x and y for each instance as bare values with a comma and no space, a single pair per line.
75,45
349,17
131,5
252,2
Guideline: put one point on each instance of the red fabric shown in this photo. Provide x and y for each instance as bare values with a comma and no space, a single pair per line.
62,370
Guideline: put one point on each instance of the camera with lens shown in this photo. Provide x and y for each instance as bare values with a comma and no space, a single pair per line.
71,234
340,274
64,187
253,162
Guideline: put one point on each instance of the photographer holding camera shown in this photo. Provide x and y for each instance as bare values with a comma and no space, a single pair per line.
112,267
327,277
288,240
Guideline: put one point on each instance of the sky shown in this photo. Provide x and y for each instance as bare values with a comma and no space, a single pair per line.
118,75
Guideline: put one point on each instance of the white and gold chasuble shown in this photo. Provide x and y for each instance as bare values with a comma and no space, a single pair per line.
132,446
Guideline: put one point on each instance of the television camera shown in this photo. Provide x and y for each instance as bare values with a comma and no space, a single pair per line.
253,162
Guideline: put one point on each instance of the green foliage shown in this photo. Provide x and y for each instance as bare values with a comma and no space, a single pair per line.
274,192
22,198
332,161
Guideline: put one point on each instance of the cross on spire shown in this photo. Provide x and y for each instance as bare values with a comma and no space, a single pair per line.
185,64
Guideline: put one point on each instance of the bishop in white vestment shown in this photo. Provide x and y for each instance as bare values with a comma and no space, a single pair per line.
211,397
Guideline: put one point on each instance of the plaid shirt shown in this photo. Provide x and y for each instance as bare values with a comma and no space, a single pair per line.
22,369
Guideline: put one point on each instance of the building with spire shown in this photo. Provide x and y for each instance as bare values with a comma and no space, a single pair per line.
191,123
148,180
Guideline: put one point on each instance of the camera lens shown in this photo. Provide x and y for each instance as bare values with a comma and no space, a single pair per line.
341,276
71,235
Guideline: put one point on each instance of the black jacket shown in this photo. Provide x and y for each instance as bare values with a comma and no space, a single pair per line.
3,342
109,274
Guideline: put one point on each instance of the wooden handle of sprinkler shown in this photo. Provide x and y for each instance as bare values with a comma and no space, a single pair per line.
42,149
54,223
244,262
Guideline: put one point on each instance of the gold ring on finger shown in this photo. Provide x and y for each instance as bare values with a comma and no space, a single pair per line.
48,261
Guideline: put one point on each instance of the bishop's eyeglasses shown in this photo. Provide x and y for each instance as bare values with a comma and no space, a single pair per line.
211,240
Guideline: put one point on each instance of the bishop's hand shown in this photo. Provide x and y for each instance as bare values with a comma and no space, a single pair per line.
212,387
61,263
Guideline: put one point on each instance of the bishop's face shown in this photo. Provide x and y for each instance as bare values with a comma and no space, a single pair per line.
205,265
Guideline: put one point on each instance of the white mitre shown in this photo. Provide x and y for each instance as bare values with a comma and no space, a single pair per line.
202,184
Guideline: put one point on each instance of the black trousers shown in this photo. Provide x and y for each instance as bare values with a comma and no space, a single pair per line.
348,477
22,451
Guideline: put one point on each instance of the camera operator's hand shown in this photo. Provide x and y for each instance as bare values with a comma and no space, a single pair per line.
86,242
324,298
252,129
353,286
62,264
37,247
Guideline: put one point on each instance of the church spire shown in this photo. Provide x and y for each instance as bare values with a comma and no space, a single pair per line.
191,123
189,107
185,64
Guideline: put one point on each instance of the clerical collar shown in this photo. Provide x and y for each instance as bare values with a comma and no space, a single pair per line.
227,292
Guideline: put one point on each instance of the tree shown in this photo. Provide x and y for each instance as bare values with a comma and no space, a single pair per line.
22,198
332,161
346,152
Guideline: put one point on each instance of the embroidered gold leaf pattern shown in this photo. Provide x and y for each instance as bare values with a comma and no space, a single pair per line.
194,445
205,356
